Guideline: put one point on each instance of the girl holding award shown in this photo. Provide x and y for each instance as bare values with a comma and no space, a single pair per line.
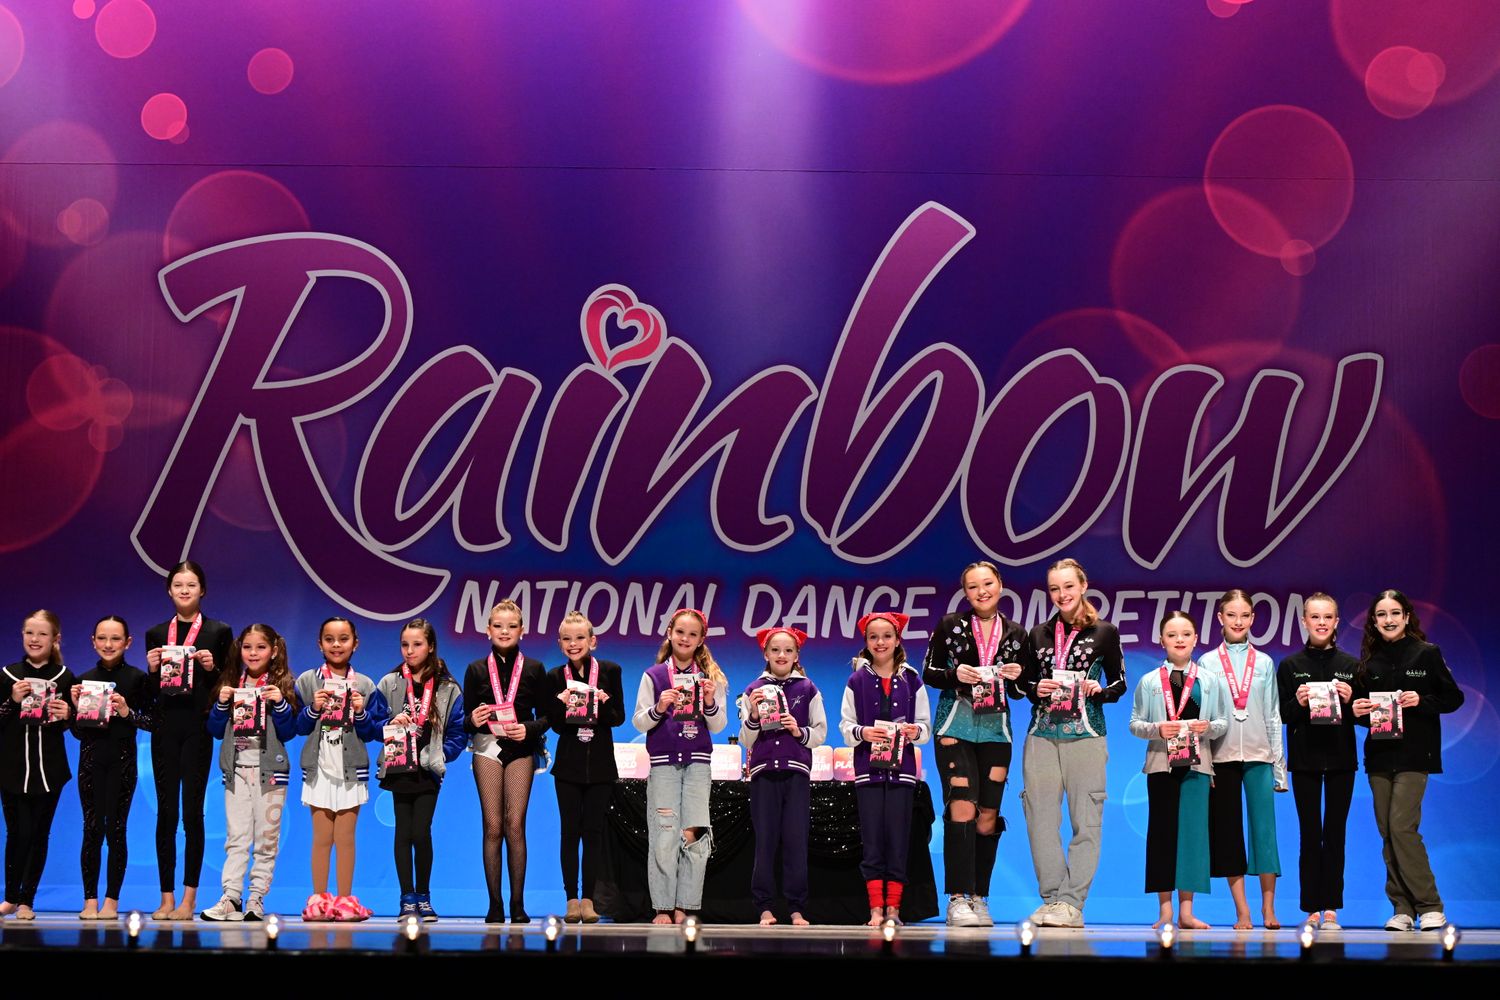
1402,688
1079,671
1248,755
109,706
335,765
976,660
1316,705
679,705
781,722
255,715
884,710
585,706
503,692
33,756
1179,708
183,655
418,709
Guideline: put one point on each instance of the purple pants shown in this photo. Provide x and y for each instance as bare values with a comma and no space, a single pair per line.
885,826
780,804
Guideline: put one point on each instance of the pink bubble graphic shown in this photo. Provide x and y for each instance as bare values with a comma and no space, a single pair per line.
1479,380
180,137
1174,266
164,115
12,45
230,205
1402,82
85,222
83,9
52,167
884,41
1461,36
59,392
1298,257
1225,8
1294,176
270,71
125,28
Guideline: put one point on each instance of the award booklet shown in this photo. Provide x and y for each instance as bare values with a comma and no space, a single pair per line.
176,669
95,708
986,694
34,705
581,704
690,708
501,715
1182,749
1067,700
887,749
1323,703
338,710
249,712
1385,716
400,751
773,707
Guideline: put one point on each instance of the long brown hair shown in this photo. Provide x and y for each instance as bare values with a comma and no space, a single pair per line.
279,673
1087,613
705,661
434,667
1372,639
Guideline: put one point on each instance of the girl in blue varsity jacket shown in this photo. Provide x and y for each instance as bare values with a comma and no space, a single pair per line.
885,710
782,720
679,704
335,765
421,696
254,714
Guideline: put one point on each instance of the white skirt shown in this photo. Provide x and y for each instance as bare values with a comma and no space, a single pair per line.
322,792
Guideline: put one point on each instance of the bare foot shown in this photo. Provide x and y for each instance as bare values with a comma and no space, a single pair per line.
767,918
1269,921
798,920
877,917
24,912
183,912
1242,922
168,904
662,920
1163,917
678,916
1191,923
90,910
893,913
110,910
7,908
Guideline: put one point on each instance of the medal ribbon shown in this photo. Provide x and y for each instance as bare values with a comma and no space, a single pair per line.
1059,648
1190,677
1241,695
515,679
419,717
987,650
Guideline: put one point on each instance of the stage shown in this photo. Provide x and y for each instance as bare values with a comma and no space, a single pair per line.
1102,950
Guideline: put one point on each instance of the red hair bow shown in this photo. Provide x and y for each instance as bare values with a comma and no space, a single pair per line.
764,635
896,618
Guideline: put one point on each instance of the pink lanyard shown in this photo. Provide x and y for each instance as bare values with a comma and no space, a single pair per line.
987,650
515,679
1190,677
1059,648
192,632
593,671
418,717
245,676
329,675
1240,695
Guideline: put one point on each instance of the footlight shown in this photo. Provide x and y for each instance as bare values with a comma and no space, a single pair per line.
888,935
1307,936
411,927
133,925
690,934
1451,937
1167,936
273,931
1025,933
552,927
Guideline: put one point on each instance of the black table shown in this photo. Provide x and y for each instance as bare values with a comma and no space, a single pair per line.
836,892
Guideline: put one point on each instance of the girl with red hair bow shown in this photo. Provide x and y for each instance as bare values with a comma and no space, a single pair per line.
782,720
885,708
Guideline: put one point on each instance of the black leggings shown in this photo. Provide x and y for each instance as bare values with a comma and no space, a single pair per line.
968,856
181,754
28,822
581,812
106,784
1321,859
414,839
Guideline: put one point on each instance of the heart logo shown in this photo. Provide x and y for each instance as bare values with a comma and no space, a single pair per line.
620,304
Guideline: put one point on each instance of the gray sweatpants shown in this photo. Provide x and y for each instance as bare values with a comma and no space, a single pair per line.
1050,769
252,819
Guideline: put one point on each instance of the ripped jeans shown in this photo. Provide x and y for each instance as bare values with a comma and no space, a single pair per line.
677,800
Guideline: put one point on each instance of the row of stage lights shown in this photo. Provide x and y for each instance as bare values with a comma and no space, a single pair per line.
690,928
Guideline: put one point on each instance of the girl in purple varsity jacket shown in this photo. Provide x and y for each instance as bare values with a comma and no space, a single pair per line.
681,702
885,708
782,721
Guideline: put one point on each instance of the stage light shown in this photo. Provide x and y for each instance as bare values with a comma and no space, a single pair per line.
412,928
1308,936
552,927
888,930
690,934
1167,936
133,926
1025,933
1451,937
273,931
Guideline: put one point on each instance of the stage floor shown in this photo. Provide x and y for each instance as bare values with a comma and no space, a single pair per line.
922,942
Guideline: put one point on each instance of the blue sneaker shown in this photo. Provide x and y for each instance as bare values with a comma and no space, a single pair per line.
424,907
408,906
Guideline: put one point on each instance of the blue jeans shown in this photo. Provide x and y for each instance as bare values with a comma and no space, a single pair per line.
677,800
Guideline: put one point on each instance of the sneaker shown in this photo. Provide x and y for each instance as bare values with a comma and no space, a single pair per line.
408,906
318,907
424,908
1331,921
347,909
1067,915
227,908
1432,920
960,913
255,909
1400,922
981,908
1053,915
1038,916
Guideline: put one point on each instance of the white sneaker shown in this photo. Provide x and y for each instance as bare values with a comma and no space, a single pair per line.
1051,915
1400,922
1038,916
1067,915
981,908
255,909
1433,920
960,913
227,908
